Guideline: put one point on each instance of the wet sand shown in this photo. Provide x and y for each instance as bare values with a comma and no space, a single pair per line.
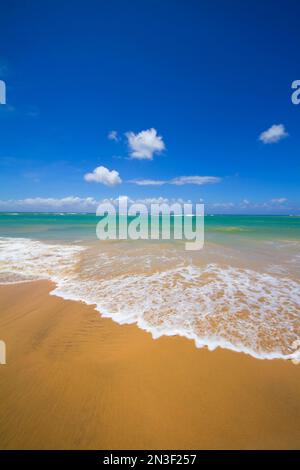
74,380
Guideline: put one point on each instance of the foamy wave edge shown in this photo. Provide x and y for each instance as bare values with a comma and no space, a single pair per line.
204,342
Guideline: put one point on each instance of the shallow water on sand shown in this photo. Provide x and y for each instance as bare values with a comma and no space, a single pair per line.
241,292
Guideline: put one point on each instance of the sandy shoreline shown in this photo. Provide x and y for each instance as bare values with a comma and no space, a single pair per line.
76,380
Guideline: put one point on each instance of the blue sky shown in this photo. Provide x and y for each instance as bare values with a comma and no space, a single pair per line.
209,77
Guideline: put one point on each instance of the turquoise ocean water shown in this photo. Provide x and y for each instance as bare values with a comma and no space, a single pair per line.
220,228
240,292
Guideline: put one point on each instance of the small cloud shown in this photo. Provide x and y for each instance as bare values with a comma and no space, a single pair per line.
223,205
280,200
113,135
104,176
273,134
69,203
179,181
146,201
148,182
145,144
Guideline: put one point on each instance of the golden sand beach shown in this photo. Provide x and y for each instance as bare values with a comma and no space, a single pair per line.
74,380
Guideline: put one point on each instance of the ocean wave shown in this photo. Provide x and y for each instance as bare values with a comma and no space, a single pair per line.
214,305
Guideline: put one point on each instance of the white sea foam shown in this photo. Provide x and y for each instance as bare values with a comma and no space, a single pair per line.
29,259
215,305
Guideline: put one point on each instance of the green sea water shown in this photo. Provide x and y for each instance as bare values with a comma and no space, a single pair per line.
218,228
240,292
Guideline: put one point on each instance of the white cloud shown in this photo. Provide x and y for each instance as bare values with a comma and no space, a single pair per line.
223,205
245,203
113,135
69,203
247,206
145,201
146,182
145,144
180,180
280,200
122,199
270,204
273,134
76,203
104,176
154,200
90,204
116,200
